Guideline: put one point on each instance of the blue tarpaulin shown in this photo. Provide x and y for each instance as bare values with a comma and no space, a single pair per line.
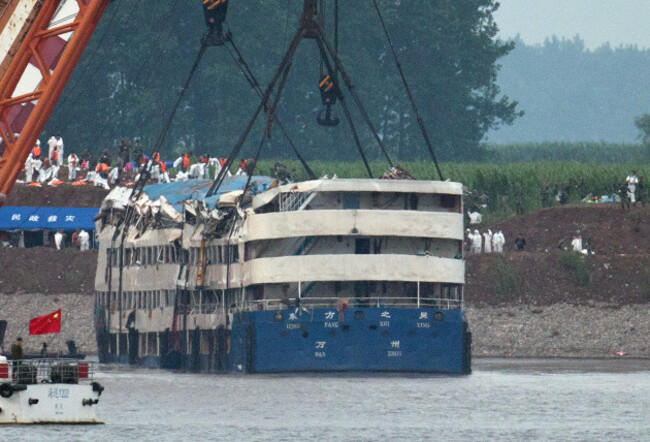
50,218
179,191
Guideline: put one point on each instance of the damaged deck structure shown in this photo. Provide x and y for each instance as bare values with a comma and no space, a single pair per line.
322,275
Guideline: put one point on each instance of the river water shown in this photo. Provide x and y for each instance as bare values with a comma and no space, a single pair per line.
501,400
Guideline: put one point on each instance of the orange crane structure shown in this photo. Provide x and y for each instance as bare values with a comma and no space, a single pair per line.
41,42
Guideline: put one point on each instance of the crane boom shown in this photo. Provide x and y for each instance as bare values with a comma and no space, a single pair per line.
37,65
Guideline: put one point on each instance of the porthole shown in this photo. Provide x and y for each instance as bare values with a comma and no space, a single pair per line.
345,327
279,317
359,315
283,334
434,334
385,333
438,316
333,333
373,327
411,333
305,334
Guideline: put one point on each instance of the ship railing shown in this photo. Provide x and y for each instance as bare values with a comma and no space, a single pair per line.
347,303
293,201
54,371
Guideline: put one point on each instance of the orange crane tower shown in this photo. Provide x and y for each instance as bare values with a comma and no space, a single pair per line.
41,42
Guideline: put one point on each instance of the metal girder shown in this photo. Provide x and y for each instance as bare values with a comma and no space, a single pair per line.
46,59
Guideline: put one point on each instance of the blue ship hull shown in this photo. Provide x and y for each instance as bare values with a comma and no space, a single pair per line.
324,340
360,339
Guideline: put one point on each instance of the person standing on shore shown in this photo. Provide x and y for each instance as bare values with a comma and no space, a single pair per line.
58,239
632,182
84,241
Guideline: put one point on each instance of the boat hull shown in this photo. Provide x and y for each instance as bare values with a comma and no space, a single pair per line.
50,404
359,339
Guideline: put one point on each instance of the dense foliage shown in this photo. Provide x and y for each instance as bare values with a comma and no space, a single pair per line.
142,52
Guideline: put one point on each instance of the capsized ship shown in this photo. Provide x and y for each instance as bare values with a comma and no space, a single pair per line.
322,275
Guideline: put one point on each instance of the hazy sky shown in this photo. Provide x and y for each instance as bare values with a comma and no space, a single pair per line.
596,21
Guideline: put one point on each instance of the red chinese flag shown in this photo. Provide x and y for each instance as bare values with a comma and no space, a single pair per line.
46,324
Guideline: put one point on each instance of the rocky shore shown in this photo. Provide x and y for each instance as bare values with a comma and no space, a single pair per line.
76,322
561,331
598,330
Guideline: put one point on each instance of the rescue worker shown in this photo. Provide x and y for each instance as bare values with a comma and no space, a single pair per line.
137,150
204,167
624,195
45,173
498,240
16,355
56,164
106,158
84,241
33,163
74,239
59,148
221,163
576,243
476,242
164,175
242,168
101,176
632,182
125,149
640,192
182,163
487,241
51,143
58,239
73,163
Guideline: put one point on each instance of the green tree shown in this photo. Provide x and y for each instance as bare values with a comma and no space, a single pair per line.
130,74
642,123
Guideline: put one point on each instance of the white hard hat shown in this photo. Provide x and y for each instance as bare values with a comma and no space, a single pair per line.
38,142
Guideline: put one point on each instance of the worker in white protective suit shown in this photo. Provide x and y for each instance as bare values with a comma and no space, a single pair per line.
487,241
29,168
45,172
58,239
73,163
477,240
84,240
498,241
33,163
475,217
59,147
51,144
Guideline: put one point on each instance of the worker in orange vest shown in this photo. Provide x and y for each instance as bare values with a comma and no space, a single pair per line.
33,163
101,175
163,177
56,165
242,168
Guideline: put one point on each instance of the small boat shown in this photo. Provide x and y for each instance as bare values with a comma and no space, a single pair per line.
48,391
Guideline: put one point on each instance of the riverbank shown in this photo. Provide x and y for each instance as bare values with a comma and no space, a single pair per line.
560,330
76,321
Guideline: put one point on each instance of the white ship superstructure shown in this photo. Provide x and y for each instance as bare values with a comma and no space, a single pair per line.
176,280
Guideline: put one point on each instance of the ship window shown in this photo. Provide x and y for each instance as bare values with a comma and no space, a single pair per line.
351,201
447,201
